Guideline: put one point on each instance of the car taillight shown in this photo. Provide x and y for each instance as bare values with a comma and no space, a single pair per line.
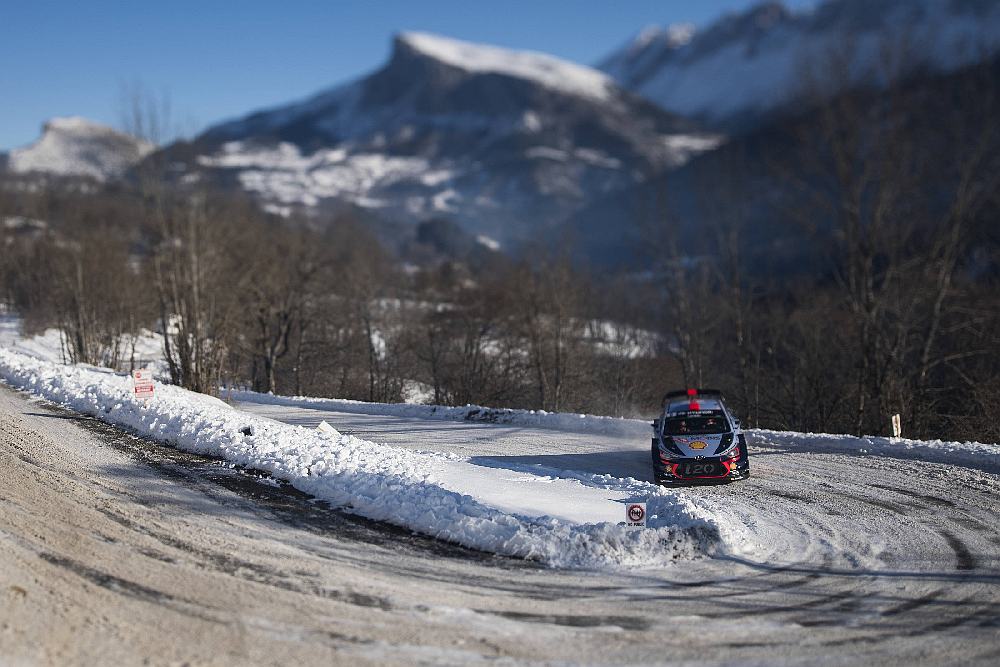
725,446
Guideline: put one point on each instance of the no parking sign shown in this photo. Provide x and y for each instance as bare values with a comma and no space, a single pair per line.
635,515
143,383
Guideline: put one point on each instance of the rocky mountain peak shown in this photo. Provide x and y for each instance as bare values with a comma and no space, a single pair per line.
75,146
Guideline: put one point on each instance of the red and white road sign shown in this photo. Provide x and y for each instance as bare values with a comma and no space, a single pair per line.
635,515
143,381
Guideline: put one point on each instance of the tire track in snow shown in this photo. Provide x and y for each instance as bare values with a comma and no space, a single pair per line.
965,559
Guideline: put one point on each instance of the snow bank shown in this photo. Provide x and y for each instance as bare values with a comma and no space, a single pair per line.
376,481
562,421
975,454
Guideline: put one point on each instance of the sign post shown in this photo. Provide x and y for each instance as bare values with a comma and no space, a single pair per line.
635,515
897,426
142,379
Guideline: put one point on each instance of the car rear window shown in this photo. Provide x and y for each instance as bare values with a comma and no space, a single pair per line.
696,424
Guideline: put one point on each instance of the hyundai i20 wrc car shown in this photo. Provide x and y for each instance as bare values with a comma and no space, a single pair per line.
697,440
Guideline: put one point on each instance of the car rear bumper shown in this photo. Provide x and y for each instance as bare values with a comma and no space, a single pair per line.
669,473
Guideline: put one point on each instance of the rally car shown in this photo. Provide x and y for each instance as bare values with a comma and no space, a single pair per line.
697,440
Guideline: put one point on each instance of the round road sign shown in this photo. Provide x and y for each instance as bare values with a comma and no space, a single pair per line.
636,513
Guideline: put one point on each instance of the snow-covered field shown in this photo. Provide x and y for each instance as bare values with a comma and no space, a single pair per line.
146,349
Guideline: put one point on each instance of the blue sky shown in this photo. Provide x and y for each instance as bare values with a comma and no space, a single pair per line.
217,59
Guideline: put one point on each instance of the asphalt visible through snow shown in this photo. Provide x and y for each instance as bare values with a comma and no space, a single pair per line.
117,550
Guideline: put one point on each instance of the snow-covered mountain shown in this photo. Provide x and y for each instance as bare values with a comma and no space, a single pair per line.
78,147
946,118
500,141
745,65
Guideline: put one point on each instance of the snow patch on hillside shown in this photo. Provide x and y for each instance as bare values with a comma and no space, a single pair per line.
282,175
144,349
488,242
682,147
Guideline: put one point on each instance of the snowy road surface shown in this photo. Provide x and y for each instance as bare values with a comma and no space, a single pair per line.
114,549
858,557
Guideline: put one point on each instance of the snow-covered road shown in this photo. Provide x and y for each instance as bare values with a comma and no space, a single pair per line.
105,536
882,549
836,550
810,499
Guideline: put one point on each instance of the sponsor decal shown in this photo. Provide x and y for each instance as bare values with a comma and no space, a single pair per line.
698,444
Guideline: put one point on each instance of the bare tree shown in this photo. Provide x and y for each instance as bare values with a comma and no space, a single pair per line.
144,113
198,285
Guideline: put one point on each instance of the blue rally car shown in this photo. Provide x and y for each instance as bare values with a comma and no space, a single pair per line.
697,440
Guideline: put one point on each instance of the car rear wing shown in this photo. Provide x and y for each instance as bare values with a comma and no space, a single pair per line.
690,393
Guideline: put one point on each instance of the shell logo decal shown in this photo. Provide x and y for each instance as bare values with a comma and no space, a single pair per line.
698,444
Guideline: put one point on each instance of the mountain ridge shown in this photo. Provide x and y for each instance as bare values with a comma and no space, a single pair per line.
746,65
502,141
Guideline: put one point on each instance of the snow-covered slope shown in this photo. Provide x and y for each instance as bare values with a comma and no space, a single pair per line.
78,147
747,64
144,349
500,141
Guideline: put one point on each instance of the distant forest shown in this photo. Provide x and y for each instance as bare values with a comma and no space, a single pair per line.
890,202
